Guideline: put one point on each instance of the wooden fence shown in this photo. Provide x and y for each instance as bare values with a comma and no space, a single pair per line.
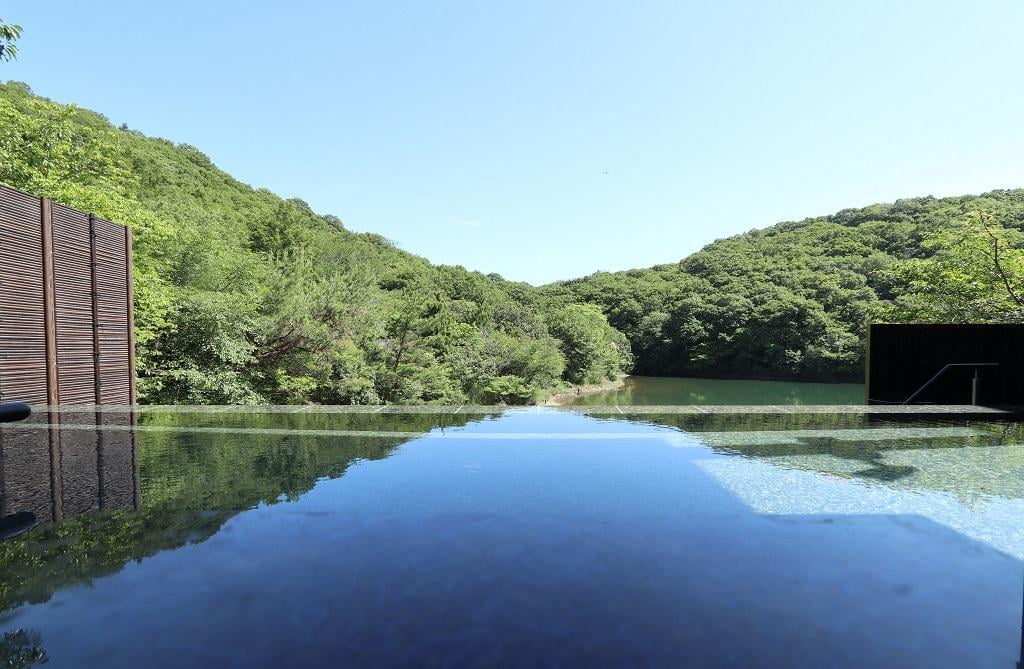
66,331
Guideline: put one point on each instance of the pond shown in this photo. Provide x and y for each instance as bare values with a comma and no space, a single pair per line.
318,536
667,390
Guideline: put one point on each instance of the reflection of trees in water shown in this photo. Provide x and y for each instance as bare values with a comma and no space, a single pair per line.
21,649
186,486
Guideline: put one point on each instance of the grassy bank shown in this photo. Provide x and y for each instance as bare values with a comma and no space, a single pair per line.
566,396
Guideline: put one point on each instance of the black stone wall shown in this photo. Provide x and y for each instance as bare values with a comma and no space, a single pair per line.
902,358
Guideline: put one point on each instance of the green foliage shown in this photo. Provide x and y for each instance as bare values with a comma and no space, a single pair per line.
593,350
792,301
243,297
9,34
508,389
975,273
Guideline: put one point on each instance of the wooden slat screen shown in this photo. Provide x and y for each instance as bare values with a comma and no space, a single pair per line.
22,311
66,332
112,312
72,259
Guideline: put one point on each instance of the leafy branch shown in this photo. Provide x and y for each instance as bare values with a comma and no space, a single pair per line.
9,34
985,218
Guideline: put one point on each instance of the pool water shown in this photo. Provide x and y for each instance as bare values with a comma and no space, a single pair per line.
522,537
670,390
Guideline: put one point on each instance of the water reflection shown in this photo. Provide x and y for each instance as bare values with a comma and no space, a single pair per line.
99,489
21,649
47,475
975,462
16,523
513,537
667,391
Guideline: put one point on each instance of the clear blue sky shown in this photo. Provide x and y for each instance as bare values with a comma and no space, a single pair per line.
549,139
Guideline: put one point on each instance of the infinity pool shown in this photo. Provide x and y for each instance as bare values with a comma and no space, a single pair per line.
310,537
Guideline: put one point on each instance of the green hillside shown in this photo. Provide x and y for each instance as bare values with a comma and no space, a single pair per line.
244,297
791,301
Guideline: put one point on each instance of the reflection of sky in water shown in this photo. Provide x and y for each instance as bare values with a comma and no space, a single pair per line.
525,537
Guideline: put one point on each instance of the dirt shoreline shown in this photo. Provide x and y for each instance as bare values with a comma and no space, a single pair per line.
563,397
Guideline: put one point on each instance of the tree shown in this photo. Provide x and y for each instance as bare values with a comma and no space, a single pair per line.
593,349
974,273
9,34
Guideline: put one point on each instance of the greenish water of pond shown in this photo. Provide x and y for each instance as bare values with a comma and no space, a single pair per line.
306,536
666,391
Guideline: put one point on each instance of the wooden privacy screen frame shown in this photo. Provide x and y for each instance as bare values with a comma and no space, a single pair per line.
66,312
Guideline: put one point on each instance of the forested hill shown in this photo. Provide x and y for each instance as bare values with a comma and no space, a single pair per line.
244,297
792,300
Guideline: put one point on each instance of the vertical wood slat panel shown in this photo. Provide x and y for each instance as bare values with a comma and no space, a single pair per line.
66,330
112,306
23,369
72,258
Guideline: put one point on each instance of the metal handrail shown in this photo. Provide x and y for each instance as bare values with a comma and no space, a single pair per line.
943,371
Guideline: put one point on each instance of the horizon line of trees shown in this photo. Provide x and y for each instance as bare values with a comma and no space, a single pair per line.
244,297
792,301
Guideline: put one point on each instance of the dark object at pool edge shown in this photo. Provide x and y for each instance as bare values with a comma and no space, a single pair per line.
12,411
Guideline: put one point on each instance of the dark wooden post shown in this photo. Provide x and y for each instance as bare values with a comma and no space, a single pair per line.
52,372
130,287
49,304
95,311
